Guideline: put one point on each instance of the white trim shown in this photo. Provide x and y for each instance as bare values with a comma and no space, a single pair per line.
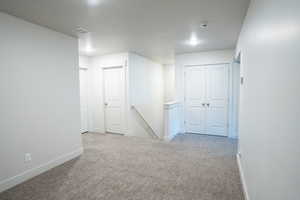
208,64
124,113
170,137
242,176
87,98
229,94
83,68
112,66
28,174
170,105
171,118
98,130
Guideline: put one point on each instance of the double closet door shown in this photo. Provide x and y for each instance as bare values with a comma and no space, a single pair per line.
206,99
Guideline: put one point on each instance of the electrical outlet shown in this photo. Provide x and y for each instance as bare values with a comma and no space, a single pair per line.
27,157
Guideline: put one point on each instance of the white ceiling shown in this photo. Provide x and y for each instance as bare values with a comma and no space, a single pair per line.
157,29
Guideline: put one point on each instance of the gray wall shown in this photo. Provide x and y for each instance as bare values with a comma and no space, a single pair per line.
270,111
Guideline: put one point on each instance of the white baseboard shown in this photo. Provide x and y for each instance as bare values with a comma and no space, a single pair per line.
98,130
170,137
26,175
242,176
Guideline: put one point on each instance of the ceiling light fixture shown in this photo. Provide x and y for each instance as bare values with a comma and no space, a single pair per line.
88,49
194,41
93,3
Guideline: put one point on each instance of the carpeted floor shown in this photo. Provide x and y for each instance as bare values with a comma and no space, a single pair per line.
191,167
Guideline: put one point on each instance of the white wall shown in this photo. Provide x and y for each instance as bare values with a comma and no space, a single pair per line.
269,114
201,58
235,101
169,83
171,120
39,99
146,93
144,89
84,62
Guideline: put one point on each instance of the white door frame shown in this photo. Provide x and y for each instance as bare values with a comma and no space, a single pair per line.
124,130
87,98
228,91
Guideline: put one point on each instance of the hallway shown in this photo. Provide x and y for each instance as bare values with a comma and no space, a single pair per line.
191,167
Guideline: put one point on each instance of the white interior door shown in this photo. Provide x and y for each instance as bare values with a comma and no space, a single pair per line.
195,93
113,99
83,100
206,99
217,100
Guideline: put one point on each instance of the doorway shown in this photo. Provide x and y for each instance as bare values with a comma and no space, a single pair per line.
114,98
206,99
83,100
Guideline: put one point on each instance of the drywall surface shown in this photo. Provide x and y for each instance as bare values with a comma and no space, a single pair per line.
146,93
39,106
169,83
269,114
84,62
144,89
235,101
95,88
194,59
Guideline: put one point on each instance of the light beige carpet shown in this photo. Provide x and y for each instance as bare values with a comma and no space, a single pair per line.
191,167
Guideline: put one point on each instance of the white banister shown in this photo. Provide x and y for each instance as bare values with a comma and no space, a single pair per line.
171,120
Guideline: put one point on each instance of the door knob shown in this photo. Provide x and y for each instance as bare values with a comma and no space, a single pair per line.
203,104
208,104
105,103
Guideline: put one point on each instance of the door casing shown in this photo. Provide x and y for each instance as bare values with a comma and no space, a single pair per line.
123,110
228,93
83,78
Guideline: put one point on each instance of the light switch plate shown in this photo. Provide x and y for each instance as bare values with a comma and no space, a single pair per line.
27,157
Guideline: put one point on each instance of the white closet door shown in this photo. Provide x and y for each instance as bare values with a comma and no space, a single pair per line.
217,99
113,99
195,92
206,98
83,100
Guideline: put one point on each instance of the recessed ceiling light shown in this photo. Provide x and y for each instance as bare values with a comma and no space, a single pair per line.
93,2
194,41
89,49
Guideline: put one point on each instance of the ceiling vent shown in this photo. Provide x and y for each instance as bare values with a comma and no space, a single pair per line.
80,30
204,24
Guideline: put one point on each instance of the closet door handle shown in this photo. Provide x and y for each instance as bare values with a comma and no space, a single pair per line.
208,104
203,104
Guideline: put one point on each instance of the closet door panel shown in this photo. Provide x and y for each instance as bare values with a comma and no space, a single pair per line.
195,93
217,99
